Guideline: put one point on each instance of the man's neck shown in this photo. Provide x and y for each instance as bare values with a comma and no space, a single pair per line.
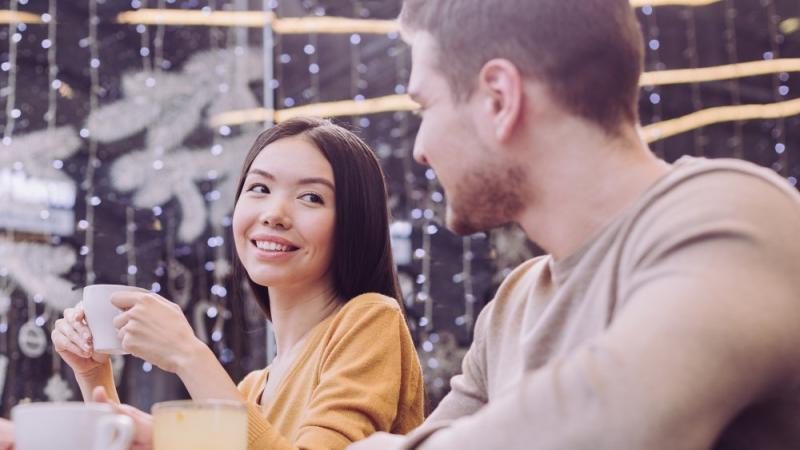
296,310
582,184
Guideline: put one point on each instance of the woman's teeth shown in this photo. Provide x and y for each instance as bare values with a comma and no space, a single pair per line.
272,246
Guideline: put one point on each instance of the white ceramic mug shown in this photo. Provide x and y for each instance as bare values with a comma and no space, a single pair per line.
100,314
70,426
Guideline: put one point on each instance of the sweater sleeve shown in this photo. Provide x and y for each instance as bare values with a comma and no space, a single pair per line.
361,374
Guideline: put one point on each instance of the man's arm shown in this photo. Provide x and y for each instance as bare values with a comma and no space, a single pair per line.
468,390
709,327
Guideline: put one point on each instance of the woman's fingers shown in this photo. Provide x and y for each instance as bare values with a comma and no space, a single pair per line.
81,336
77,320
62,342
74,336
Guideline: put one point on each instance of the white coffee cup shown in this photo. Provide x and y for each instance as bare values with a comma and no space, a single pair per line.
70,426
100,314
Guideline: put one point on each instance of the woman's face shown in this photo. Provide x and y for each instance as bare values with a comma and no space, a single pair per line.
283,223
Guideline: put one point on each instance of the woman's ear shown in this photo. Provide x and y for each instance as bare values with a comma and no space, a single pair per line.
501,83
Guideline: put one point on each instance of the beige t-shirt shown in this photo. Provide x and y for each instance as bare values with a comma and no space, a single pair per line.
676,327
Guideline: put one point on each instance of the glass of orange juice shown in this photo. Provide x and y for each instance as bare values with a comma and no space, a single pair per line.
199,425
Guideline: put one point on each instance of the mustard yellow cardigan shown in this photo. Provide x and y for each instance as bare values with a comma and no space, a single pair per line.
358,373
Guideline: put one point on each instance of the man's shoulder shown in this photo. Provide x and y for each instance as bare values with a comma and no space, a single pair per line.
730,174
711,209
513,294
523,276
700,192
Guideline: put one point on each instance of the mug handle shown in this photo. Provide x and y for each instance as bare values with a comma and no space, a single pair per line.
114,432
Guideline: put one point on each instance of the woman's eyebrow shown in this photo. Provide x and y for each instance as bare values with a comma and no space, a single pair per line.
312,180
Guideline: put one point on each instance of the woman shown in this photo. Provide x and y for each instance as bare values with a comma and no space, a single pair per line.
310,227
6,435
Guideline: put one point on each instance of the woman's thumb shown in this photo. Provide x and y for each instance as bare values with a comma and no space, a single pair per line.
99,395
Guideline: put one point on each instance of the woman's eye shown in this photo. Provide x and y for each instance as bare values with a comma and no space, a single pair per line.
313,198
258,189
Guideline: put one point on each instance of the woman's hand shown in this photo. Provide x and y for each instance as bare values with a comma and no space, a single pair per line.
142,422
72,339
155,329
6,435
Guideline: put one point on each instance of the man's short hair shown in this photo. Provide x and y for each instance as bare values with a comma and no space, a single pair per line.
588,52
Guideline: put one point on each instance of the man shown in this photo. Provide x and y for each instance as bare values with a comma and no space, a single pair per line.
667,313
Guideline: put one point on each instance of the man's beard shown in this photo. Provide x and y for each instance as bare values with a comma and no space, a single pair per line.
488,197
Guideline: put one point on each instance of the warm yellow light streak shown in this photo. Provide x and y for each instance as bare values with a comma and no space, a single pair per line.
258,19
789,26
331,109
333,25
302,25
654,3
403,103
651,133
7,17
725,72
667,128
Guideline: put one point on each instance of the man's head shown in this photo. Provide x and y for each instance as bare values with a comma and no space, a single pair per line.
488,72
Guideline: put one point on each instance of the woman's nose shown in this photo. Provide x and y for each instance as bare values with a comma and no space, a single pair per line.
276,216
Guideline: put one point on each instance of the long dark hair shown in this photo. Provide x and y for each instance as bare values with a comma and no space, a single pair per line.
362,253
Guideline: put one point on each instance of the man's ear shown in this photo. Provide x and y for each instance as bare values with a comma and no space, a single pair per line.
501,83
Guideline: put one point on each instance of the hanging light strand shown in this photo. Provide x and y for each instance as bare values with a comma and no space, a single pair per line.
11,112
779,91
694,62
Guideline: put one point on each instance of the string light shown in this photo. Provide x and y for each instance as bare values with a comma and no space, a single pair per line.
93,162
694,63
11,112
655,3
51,116
790,26
13,17
721,114
779,91
389,103
716,73
304,25
733,84
8,284
401,102
652,93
